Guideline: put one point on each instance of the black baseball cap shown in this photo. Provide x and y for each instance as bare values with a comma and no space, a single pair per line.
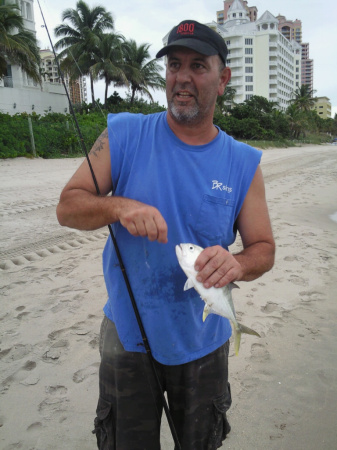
198,37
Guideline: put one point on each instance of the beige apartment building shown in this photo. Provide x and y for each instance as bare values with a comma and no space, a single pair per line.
77,89
323,107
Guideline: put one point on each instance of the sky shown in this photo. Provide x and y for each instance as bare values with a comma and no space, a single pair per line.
148,21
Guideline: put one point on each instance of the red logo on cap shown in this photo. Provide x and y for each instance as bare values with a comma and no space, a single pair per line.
186,28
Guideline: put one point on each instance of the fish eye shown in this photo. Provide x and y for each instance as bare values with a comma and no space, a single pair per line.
191,248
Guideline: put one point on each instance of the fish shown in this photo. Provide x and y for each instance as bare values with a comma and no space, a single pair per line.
217,300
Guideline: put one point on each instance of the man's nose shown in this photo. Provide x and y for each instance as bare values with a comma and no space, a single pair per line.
183,75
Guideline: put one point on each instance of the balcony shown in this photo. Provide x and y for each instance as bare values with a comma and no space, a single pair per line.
235,83
235,64
237,54
237,73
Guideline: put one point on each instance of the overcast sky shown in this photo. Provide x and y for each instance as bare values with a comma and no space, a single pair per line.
148,21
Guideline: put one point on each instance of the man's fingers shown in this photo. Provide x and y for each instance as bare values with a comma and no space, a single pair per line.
217,267
145,221
162,229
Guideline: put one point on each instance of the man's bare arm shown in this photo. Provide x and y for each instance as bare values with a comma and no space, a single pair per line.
217,267
80,207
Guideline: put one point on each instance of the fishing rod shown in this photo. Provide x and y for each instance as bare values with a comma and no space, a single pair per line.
119,256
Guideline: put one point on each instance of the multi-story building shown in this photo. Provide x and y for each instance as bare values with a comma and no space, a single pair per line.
323,107
307,67
222,15
292,30
77,89
18,93
263,62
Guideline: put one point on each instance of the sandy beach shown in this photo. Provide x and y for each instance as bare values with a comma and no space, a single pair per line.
284,384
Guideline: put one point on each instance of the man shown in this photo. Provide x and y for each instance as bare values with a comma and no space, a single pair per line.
176,178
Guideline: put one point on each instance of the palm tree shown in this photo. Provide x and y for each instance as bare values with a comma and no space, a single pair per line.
109,63
303,98
225,101
17,45
81,38
297,120
141,73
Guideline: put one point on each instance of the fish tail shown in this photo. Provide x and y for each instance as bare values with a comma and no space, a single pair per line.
237,340
237,335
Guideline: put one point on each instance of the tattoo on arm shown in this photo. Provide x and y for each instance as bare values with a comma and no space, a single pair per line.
98,145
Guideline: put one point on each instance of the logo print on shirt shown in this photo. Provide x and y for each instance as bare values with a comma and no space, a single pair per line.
220,186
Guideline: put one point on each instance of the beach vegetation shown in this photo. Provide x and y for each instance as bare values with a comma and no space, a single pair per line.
256,122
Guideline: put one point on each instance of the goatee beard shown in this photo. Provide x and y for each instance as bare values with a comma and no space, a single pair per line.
189,116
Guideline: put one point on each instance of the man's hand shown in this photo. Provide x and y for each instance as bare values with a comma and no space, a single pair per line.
142,220
217,267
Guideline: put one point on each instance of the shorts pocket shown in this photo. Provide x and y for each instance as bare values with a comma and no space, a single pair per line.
215,216
221,426
104,426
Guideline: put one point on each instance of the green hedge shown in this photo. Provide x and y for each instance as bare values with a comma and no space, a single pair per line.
55,135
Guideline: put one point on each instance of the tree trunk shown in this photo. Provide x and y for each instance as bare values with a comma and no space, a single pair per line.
132,95
92,89
106,93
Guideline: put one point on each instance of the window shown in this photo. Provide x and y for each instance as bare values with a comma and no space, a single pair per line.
28,12
249,70
249,79
249,88
228,42
248,96
248,51
248,41
248,60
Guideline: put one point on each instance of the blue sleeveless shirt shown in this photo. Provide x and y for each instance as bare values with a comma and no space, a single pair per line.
199,191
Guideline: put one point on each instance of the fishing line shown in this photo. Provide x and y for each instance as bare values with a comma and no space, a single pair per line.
121,264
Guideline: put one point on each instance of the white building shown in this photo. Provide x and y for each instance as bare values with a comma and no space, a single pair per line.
20,94
263,62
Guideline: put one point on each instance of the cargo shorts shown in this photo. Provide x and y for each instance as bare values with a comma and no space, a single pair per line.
130,407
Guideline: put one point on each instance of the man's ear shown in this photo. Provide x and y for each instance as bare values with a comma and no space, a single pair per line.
224,79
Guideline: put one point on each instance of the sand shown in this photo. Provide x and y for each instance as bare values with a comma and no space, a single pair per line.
284,384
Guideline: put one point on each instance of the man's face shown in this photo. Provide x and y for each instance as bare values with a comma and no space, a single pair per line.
193,82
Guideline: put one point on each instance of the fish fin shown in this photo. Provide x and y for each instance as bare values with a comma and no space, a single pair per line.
233,286
244,329
207,310
237,331
189,284
237,339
